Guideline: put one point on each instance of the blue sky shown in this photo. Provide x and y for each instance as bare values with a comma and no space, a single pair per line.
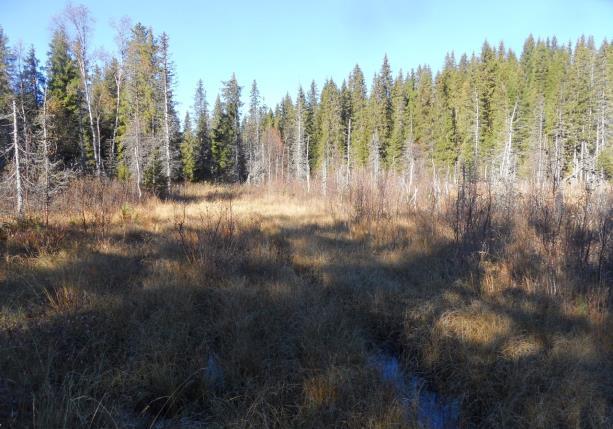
283,44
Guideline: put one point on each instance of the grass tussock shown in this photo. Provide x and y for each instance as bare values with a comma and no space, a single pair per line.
240,307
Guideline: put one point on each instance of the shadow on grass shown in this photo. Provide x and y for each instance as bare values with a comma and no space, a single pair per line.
252,333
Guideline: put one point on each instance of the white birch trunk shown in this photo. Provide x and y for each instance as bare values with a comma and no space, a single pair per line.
167,132
18,185
88,102
308,167
505,166
46,167
348,172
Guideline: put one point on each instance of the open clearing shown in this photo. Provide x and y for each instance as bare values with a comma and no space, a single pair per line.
236,307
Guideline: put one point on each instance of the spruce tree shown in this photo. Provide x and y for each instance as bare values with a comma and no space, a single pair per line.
222,150
396,145
203,144
359,116
169,119
6,95
154,176
189,151
330,148
140,117
312,126
423,109
64,100
255,153
286,123
381,104
231,93
487,82
446,143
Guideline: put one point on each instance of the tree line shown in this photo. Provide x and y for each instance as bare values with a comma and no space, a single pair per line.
543,116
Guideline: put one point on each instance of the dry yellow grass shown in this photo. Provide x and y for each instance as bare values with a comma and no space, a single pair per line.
241,307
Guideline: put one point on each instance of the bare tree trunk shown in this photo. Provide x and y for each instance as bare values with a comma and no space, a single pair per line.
324,173
90,113
539,167
557,163
78,16
298,151
116,124
476,143
283,165
46,196
269,170
348,153
100,165
505,166
137,154
237,175
308,167
18,185
26,141
167,133
260,158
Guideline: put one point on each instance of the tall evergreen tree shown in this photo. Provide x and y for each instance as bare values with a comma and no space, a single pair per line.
203,142
64,101
381,104
252,127
487,81
445,147
222,148
189,151
231,93
286,123
358,116
139,110
423,109
397,142
169,121
6,94
312,126
330,145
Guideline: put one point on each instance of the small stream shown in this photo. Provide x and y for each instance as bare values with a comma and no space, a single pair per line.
432,410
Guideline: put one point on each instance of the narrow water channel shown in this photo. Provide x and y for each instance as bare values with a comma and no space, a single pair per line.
430,409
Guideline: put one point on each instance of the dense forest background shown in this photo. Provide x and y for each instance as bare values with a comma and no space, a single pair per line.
432,248
542,116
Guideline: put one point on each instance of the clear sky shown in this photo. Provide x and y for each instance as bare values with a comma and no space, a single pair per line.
283,44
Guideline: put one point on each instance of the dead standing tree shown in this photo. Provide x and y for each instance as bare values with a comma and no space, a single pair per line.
17,160
78,17
52,176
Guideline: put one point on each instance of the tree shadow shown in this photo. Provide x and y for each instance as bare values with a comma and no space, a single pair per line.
248,328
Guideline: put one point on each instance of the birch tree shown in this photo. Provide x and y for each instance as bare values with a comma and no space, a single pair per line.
81,22
19,185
